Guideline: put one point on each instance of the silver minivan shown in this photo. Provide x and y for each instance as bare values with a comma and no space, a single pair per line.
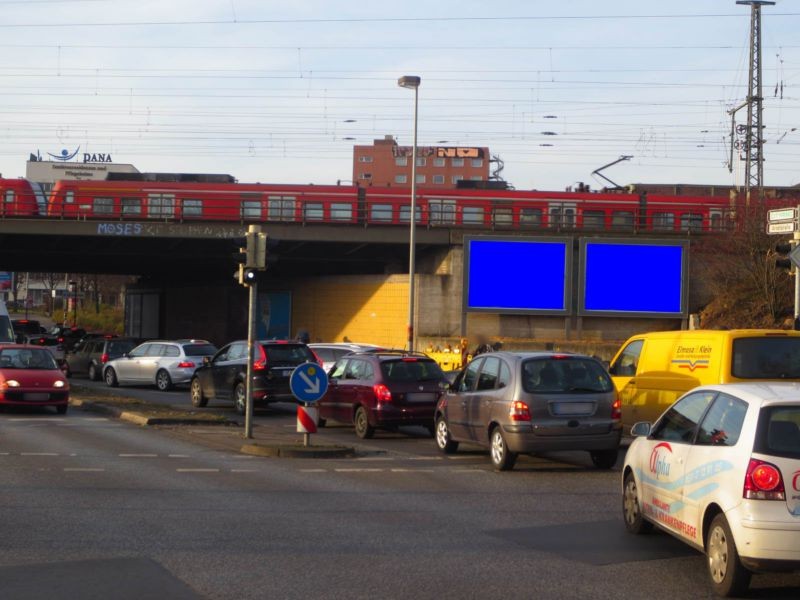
527,402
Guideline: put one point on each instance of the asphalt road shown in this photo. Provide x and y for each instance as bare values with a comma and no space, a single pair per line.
98,508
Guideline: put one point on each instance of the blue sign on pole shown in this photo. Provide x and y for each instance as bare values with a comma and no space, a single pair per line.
308,382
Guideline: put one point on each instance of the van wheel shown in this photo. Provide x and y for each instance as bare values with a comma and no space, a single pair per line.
502,458
604,459
728,575
631,511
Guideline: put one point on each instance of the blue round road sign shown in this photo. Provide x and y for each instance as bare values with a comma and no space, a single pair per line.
308,382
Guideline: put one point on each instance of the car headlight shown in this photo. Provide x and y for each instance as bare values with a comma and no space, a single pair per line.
12,383
58,383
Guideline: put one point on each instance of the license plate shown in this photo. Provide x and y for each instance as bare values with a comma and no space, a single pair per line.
37,397
421,397
573,408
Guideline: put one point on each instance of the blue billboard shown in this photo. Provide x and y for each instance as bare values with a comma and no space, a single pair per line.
628,278
517,275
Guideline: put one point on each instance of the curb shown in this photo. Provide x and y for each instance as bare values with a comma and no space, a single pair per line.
295,451
138,418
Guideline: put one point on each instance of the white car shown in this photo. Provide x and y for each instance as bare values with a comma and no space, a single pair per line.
720,470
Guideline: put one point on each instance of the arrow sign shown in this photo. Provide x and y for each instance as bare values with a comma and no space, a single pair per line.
308,382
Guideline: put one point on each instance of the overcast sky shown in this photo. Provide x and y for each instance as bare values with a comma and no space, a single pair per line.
281,91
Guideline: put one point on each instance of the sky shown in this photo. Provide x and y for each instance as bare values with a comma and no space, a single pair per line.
281,91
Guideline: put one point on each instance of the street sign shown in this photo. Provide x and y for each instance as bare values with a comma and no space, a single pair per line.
780,228
308,382
778,215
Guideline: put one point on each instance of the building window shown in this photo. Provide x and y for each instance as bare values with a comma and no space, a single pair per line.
131,206
420,178
455,179
421,161
365,176
438,162
472,215
381,213
313,211
192,208
594,219
251,209
458,162
476,162
476,178
160,206
281,208
622,219
438,179
663,221
103,206
400,179
365,159
401,161
442,212
530,217
341,211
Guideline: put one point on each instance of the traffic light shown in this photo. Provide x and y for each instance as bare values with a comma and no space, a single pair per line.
782,250
256,250
247,276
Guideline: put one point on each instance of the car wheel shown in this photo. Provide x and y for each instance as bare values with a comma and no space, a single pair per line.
196,393
93,374
502,458
631,512
240,398
111,377
62,409
163,381
443,440
363,429
728,575
604,459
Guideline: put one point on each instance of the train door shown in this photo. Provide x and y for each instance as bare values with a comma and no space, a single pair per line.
442,212
160,206
562,215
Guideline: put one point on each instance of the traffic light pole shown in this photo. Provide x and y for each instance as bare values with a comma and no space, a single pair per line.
796,242
251,334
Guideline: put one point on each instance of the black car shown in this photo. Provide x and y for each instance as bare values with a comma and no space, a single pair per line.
224,376
26,327
90,356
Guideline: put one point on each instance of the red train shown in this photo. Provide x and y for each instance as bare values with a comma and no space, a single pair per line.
224,201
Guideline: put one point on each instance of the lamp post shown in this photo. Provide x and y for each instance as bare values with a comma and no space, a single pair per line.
412,82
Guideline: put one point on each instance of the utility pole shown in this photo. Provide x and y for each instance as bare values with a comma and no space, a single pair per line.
753,150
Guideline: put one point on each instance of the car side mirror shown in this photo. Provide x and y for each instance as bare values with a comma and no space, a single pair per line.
641,429
444,386
612,369
206,360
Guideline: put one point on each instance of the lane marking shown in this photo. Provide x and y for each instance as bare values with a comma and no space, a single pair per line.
462,457
9,454
374,458
197,470
313,470
358,470
244,470
39,454
178,456
425,458
468,471
138,455
84,469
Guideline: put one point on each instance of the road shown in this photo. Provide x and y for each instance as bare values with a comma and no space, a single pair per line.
94,507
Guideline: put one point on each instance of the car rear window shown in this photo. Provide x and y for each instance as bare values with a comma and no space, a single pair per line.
288,354
567,374
766,358
119,347
413,369
198,349
778,432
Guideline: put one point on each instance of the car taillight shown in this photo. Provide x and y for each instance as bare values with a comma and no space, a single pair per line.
519,411
763,481
616,409
104,358
187,364
382,393
259,365
59,340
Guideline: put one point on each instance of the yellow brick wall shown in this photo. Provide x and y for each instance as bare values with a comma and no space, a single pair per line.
370,309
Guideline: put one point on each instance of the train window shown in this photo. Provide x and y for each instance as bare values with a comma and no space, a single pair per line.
502,217
594,219
562,215
192,208
530,217
103,206
622,219
380,212
691,222
472,215
716,222
69,197
281,208
160,205
341,211
9,196
251,209
663,221
405,214
131,206
314,211
438,178
442,212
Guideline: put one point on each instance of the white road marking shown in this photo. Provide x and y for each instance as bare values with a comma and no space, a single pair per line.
358,470
425,458
178,456
244,470
197,470
374,458
83,469
138,455
313,470
39,454
462,457
8,453
468,471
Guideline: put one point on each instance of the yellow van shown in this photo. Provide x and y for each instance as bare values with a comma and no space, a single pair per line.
652,370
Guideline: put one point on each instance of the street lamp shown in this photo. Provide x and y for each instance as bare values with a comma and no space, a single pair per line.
412,82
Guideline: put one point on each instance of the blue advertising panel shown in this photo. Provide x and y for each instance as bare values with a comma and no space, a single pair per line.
645,278
517,275
274,316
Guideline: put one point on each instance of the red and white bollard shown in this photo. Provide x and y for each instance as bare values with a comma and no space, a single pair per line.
307,422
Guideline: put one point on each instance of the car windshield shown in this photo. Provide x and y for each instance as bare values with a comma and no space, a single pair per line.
766,358
288,354
27,358
411,369
778,431
199,349
565,374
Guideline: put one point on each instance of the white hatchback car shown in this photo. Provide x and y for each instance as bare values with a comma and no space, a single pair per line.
720,470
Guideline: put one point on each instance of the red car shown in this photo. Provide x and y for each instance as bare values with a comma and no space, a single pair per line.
29,376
